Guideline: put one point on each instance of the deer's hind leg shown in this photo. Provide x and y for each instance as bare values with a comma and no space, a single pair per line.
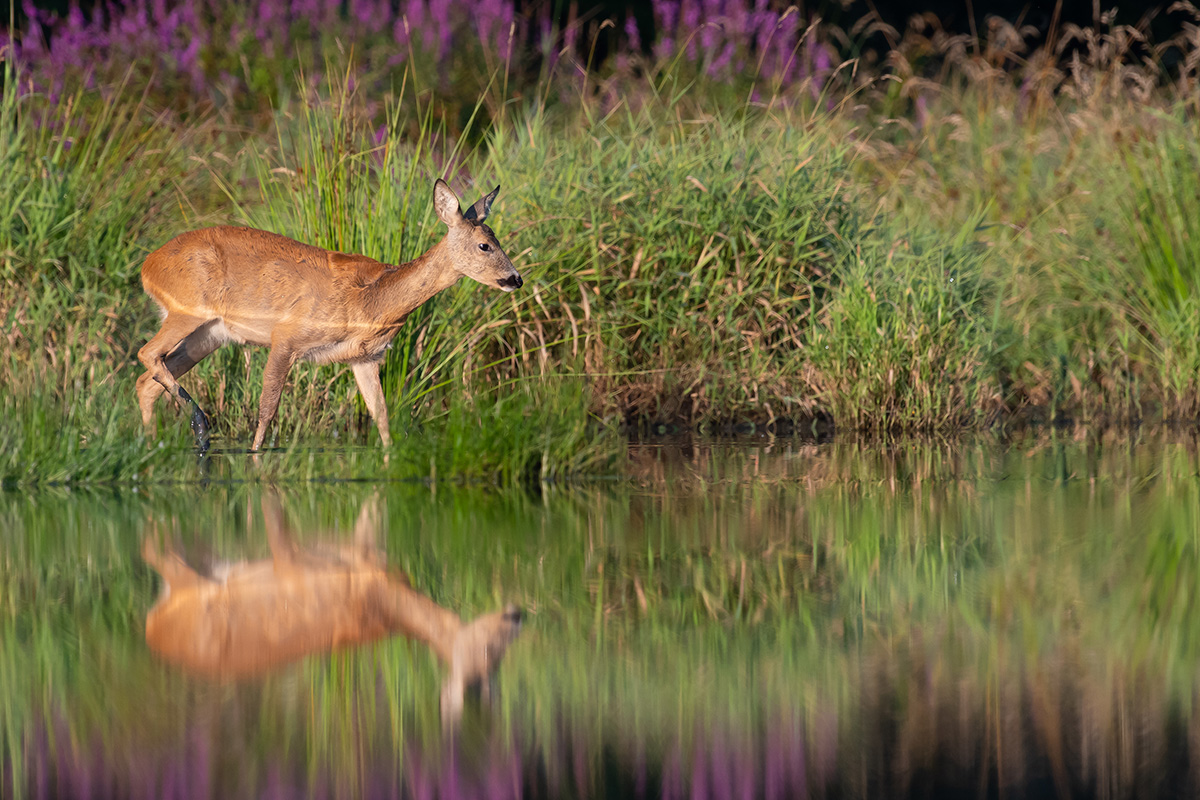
170,565
195,347
176,329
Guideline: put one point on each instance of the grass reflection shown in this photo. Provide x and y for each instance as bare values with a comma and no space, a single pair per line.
768,617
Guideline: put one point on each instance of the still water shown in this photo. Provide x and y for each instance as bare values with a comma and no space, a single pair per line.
752,618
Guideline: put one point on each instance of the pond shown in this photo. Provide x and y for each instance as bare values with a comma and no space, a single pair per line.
728,618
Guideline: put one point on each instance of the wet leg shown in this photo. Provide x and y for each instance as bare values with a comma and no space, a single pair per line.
175,329
192,350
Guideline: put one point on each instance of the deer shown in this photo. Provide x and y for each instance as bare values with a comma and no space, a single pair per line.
305,303
245,619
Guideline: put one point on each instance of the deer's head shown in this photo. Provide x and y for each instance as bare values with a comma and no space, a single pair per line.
478,648
473,248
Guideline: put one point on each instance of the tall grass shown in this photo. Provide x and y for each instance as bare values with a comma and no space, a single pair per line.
1158,223
912,335
343,184
897,253
1056,149
85,181
679,255
87,197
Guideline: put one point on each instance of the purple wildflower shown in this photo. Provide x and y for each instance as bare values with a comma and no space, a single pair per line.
719,63
689,20
632,35
439,11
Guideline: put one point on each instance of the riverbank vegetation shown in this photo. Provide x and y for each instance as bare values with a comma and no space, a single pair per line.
735,223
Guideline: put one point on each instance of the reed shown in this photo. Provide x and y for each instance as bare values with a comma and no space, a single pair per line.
877,252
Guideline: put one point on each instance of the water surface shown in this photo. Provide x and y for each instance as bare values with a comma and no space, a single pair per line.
771,618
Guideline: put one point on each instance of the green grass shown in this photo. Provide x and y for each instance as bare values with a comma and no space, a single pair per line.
1156,287
1004,245
911,336
691,257
501,439
78,227
675,259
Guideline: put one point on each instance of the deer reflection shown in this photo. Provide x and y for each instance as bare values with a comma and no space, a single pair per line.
248,617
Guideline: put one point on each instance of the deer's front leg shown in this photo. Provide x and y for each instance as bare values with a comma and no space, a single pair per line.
279,362
367,376
452,700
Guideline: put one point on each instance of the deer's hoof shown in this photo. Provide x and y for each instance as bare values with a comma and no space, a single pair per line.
201,426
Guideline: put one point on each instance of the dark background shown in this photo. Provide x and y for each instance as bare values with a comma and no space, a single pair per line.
955,16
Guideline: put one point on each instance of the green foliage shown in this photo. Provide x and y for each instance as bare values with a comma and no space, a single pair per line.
690,257
675,258
907,339
72,244
84,182
1158,221
344,186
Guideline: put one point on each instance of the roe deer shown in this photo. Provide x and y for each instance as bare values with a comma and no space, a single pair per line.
219,285
251,616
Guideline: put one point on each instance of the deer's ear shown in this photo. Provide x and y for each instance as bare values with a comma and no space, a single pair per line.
445,203
482,207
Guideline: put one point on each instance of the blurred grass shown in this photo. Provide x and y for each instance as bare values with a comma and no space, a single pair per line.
917,601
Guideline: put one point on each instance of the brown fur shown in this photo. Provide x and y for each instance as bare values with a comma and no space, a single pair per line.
227,284
253,616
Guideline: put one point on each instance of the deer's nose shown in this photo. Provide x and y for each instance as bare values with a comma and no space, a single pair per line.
512,282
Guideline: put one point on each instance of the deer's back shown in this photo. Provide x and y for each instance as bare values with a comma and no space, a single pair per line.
239,274
256,619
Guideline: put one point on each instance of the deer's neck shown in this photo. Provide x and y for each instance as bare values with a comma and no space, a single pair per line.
414,615
395,295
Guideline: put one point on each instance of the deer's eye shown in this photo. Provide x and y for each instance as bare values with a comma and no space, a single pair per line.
485,247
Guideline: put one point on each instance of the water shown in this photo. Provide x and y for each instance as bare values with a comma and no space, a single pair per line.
727,619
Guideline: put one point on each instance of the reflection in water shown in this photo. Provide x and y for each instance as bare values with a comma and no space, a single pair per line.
250,616
773,619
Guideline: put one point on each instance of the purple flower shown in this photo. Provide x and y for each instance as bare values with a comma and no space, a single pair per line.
690,21
439,11
569,37
308,10
713,26
664,48
632,34
722,61
667,13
